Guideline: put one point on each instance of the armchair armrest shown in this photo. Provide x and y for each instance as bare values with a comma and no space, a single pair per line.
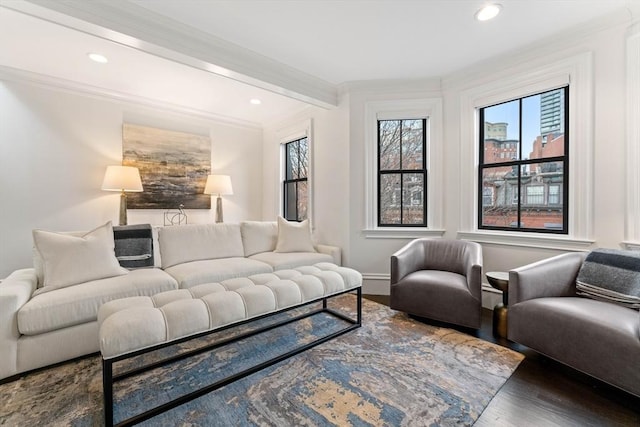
15,291
334,251
551,277
408,259
473,273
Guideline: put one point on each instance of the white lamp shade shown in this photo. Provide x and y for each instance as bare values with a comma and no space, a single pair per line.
122,178
218,184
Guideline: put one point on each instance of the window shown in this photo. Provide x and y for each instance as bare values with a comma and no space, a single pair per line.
295,185
538,166
535,195
554,194
402,172
487,196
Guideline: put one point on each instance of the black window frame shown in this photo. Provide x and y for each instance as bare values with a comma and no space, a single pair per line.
517,165
402,172
296,181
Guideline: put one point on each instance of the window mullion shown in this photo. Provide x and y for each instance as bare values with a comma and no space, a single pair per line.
520,165
401,177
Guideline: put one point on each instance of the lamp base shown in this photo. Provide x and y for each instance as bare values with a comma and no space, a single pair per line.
219,209
123,209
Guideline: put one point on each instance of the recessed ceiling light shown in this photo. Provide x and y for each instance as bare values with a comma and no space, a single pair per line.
98,58
255,101
489,11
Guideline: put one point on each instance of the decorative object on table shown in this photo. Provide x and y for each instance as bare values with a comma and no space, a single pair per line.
174,167
500,280
175,217
123,179
220,185
384,373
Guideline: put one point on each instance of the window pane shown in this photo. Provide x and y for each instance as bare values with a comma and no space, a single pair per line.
552,112
390,199
543,125
542,207
412,137
501,208
290,201
302,200
501,133
530,127
412,198
293,164
389,141
304,158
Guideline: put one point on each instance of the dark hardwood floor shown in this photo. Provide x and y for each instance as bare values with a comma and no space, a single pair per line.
543,392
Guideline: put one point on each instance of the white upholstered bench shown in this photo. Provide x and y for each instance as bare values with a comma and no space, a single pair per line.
133,326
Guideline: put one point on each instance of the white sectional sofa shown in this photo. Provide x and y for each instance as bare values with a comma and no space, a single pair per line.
54,319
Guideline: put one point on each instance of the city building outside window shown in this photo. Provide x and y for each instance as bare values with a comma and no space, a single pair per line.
295,185
402,172
524,146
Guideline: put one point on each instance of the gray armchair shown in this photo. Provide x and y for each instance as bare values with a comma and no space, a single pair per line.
439,279
599,338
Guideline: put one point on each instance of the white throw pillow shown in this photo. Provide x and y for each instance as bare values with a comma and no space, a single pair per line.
69,260
38,263
294,236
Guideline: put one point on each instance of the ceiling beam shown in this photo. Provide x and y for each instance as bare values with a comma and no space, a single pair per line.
130,25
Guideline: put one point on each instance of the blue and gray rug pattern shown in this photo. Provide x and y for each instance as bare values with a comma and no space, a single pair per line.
393,371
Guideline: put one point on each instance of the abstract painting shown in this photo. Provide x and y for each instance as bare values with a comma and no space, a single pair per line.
173,167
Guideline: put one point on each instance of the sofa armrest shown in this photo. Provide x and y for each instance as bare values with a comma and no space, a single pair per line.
551,277
334,251
15,291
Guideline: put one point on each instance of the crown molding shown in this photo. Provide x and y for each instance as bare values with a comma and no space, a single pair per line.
56,83
130,25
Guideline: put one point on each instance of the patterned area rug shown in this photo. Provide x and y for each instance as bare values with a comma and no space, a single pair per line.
393,371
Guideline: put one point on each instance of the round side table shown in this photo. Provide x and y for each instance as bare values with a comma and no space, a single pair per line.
500,280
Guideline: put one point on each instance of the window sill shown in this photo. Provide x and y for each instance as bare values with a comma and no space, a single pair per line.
631,246
528,240
401,233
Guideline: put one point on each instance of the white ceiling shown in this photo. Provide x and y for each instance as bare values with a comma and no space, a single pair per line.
288,47
349,40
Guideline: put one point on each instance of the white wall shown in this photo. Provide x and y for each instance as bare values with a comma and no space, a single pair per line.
329,174
340,182
371,255
56,145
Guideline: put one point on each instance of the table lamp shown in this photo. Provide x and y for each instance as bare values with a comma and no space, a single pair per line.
123,179
220,185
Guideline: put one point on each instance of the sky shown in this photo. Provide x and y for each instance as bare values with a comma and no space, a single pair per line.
508,113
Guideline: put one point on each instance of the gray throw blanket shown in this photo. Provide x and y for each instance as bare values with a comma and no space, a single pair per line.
611,275
134,245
